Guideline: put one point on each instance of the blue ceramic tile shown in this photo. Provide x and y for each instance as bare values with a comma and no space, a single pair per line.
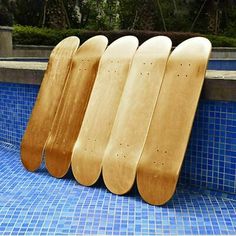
213,136
38,204
210,157
16,103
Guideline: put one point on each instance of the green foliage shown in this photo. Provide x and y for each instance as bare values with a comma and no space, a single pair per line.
42,36
103,15
72,12
37,10
89,14
221,41
39,36
204,16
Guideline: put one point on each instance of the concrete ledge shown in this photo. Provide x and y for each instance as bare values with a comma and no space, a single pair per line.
218,85
22,72
44,51
31,51
6,28
32,47
223,52
5,41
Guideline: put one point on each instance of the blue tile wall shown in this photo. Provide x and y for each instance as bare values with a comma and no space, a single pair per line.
16,103
213,64
211,155
222,65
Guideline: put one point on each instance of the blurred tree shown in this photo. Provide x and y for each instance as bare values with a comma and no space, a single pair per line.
228,22
173,15
101,14
214,13
55,14
198,15
6,17
112,13
73,8
50,13
27,12
128,14
147,13
155,15
139,14
213,16
223,18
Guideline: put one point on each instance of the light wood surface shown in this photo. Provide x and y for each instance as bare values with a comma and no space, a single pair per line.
102,107
134,114
71,109
44,110
160,163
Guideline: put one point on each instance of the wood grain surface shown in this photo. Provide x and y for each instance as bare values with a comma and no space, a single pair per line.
160,163
72,107
45,107
102,107
134,114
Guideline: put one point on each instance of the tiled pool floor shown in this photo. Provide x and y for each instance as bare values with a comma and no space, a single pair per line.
36,203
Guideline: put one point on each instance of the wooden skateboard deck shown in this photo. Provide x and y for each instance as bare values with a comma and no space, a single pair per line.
160,163
45,106
71,109
134,114
101,110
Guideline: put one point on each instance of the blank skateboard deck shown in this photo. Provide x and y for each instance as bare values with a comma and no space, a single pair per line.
71,109
160,163
134,114
44,110
102,107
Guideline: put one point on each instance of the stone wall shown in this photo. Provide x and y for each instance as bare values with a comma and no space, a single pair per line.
5,41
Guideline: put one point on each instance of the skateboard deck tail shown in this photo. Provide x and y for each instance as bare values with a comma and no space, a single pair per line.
161,160
44,110
134,114
72,106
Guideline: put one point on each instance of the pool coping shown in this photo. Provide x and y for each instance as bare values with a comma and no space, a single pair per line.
218,85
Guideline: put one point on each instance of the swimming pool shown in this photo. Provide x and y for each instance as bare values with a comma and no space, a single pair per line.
221,64
36,203
214,64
